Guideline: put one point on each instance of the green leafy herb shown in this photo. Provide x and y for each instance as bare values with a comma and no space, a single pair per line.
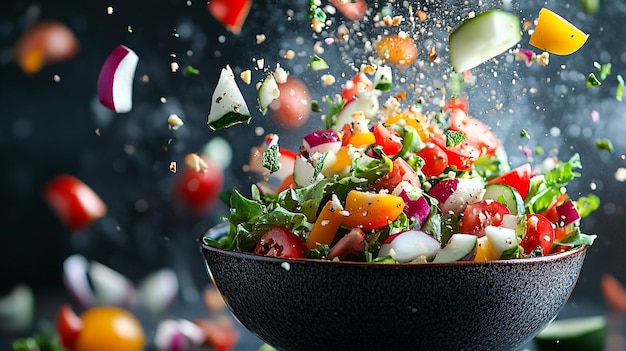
602,70
524,134
604,144
587,204
334,107
545,188
321,251
316,12
453,137
191,71
538,150
592,80
575,238
315,106
619,92
456,83
319,165
270,159
590,6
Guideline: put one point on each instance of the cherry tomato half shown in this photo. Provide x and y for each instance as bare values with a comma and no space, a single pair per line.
539,233
401,171
68,326
518,178
389,140
230,13
476,131
280,242
354,10
435,160
198,190
293,107
352,87
461,156
110,328
73,201
481,214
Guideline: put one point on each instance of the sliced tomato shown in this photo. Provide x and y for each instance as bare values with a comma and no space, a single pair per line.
68,326
354,10
551,212
351,89
230,13
481,214
518,178
221,334
401,171
539,234
346,134
435,160
348,245
198,190
457,103
280,242
74,202
293,107
476,131
461,156
389,140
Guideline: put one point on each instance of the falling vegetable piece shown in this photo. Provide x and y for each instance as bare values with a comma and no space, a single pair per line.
115,82
268,92
230,13
317,63
556,35
354,10
399,50
614,293
45,42
293,107
483,37
574,334
110,328
228,106
74,202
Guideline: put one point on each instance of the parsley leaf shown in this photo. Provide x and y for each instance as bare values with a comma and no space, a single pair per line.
454,138
593,81
545,188
270,159
604,144
619,92
587,204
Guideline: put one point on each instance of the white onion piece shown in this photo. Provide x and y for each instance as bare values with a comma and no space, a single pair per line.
115,82
158,290
460,192
409,245
220,151
303,172
268,92
366,102
17,309
228,106
76,282
169,337
110,287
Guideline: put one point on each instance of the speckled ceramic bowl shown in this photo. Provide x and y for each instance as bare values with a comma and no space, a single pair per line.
324,305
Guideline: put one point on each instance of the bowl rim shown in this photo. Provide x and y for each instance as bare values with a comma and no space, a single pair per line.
248,256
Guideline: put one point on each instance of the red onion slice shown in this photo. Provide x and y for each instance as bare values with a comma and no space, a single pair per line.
322,141
75,279
115,82
567,212
418,209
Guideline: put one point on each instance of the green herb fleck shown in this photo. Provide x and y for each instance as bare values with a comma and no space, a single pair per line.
191,71
619,92
319,165
524,134
317,63
316,12
129,29
538,150
592,80
315,106
453,137
602,70
587,204
456,84
270,159
604,144
590,6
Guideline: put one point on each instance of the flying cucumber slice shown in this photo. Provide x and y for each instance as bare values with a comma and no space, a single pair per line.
574,334
483,37
268,92
228,106
383,78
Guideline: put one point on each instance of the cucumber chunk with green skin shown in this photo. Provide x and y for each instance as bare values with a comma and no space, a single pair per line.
268,92
383,78
483,37
228,106
506,195
503,241
574,334
460,247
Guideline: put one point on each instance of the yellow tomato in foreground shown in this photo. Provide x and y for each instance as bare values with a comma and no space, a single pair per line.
556,35
108,329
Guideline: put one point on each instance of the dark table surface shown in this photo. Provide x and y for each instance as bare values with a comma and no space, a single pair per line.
49,128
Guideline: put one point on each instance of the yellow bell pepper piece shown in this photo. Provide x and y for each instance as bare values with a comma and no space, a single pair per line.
371,210
325,226
556,35
343,160
362,139
421,126
484,251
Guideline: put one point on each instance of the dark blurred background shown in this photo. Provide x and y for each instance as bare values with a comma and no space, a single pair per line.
53,123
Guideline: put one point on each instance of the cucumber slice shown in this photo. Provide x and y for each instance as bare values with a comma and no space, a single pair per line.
503,241
506,195
483,37
317,63
268,92
383,78
574,334
460,247
228,106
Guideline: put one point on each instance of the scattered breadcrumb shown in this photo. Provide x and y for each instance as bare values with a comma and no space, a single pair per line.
543,59
422,15
246,76
368,69
260,38
260,63
328,79
173,166
195,162
280,74
290,54
174,121
98,131
109,10
432,54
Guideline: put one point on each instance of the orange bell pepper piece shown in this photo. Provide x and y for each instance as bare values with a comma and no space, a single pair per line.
371,210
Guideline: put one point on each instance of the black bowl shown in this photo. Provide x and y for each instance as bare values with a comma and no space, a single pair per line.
325,305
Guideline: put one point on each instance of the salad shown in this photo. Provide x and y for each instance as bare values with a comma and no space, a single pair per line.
383,182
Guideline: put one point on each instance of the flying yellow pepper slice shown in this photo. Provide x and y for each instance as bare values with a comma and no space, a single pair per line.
556,35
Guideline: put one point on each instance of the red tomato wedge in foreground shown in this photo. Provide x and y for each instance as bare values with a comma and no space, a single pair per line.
230,13
74,202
